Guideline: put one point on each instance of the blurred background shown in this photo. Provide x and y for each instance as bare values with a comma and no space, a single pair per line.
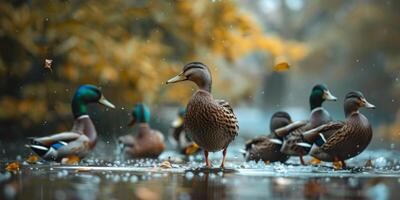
130,48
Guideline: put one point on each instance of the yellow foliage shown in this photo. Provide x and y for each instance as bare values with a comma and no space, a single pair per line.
128,46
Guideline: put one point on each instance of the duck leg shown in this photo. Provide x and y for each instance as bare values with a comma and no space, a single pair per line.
302,160
223,159
208,164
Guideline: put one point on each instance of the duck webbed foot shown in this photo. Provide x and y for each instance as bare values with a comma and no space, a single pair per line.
339,164
315,161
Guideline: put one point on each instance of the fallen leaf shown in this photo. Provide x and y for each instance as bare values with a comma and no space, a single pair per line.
281,67
166,164
47,64
13,167
70,160
32,159
368,164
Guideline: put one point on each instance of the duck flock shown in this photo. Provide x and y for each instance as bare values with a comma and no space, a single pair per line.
210,125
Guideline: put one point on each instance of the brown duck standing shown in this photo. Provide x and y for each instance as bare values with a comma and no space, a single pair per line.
267,148
346,139
146,143
293,132
211,123
82,138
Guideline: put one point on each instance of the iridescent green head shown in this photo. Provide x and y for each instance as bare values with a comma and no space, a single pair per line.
141,114
87,94
319,94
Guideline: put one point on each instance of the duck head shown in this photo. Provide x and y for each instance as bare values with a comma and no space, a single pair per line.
278,120
196,72
87,94
319,94
355,100
179,120
141,114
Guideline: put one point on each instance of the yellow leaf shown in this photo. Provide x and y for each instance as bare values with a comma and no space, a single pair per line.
13,167
32,159
281,67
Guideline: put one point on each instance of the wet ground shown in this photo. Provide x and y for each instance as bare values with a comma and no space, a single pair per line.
94,178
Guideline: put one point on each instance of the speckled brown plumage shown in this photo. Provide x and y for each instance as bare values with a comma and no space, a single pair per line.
318,117
263,148
349,138
211,123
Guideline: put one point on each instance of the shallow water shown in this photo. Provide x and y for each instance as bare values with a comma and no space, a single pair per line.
144,179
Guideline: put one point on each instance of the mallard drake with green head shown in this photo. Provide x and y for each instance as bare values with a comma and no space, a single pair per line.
344,139
211,123
82,138
146,143
267,148
181,139
293,133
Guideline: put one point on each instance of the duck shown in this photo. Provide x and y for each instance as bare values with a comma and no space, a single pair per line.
180,139
338,141
146,142
81,139
318,116
210,122
267,148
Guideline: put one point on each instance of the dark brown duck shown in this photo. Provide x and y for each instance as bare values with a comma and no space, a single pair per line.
348,138
211,123
146,142
267,148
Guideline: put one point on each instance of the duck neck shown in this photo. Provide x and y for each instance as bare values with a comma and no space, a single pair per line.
84,125
315,101
206,85
79,108
350,108
143,128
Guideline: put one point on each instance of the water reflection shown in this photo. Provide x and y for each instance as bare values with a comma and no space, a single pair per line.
44,183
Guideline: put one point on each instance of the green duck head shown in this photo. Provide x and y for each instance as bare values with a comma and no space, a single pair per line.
319,94
355,100
278,120
141,114
87,94
179,120
196,72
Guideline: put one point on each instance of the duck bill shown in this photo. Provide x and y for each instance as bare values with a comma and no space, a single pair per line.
328,96
177,122
367,104
178,78
132,122
105,102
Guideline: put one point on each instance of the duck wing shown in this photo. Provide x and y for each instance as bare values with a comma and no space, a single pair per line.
340,133
284,131
48,140
228,117
255,141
